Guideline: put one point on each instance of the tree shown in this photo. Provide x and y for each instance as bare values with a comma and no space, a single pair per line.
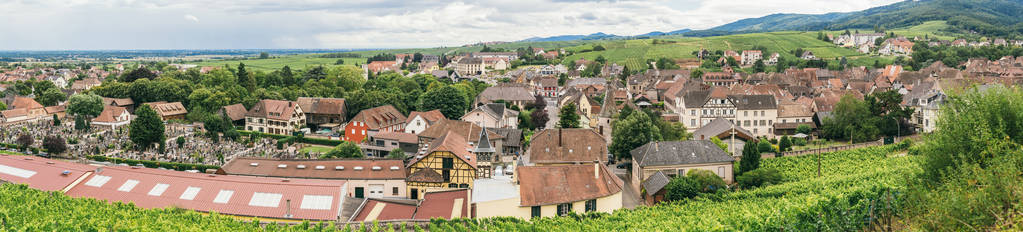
244,78
785,144
634,131
707,180
146,129
51,97
81,123
764,146
264,55
681,188
396,153
696,74
758,66
140,73
54,144
56,121
3,106
803,129
181,141
88,105
344,150
24,141
750,158
721,144
569,116
601,60
450,100
539,118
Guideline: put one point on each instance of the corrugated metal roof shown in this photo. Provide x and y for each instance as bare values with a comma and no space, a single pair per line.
40,173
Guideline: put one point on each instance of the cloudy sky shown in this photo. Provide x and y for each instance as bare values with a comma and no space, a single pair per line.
228,24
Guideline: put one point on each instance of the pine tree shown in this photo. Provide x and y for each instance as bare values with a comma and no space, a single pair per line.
569,117
750,158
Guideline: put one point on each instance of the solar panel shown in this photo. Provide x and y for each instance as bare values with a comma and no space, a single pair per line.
16,171
223,196
317,202
190,193
265,199
158,189
98,181
128,186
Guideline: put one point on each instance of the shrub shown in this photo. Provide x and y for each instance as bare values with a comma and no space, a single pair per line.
681,188
759,177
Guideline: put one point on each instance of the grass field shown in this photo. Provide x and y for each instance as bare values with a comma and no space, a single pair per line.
303,61
315,149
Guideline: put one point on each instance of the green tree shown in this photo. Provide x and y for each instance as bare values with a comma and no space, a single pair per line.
758,66
3,106
54,144
750,158
56,121
264,55
569,116
719,143
51,97
244,78
140,73
180,141
450,100
81,123
396,153
803,129
146,128
634,131
344,150
707,180
764,146
680,188
89,105
785,144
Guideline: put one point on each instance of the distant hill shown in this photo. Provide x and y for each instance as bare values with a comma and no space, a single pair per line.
601,36
987,17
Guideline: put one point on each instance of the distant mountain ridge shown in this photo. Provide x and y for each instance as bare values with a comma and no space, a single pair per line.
601,36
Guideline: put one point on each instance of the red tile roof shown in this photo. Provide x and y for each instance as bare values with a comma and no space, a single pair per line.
398,136
444,204
273,109
453,143
165,109
110,114
24,103
567,145
318,105
341,169
380,117
40,173
548,185
234,195
430,116
388,210
235,112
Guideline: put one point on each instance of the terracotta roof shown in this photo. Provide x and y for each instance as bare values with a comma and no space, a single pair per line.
273,109
55,109
40,173
567,146
461,128
398,136
446,204
385,209
454,143
427,175
109,114
235,112
24,103
14,113
379,117
322,105
165,109
340,169
118,101
549,185
430,116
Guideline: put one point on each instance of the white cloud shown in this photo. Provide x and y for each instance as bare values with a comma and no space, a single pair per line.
191,18
70,24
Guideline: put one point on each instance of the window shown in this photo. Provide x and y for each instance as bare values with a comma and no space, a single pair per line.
535,211
692,122
762,113
394,191
591,205
692,112
447,176
682,172
745,113
463,185
452,185
746,122
564,209
721,171
448,163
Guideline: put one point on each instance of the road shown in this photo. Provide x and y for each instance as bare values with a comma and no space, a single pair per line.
630,198
552,112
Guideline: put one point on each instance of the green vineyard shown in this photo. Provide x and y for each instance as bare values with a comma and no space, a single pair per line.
858,187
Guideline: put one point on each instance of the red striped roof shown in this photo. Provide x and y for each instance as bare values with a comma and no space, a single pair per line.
40,173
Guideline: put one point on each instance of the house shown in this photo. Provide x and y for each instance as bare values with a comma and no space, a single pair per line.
959,43
548,191
380,66
547,87
367,178
586,107
511,142
58,110
370,121
23,109
808,55
480,139
676,158
756,113
773,59
112,117
169,110
790,116
85,84
323,112
236,113
127,103
470,66
653,188
447,164
515,94
446,204
729,133
751,56
275,117
899,46
493,115
418,121
566,146
381,144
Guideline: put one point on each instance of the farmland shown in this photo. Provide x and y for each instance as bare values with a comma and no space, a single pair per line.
302,61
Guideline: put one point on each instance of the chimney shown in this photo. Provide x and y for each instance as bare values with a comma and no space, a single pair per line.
596,169
288,214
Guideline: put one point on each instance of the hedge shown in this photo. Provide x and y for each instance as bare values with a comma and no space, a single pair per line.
282,139
154,164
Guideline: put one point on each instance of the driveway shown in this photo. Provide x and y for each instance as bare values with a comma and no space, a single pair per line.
630,198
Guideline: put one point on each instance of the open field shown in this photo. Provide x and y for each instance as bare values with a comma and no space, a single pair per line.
303,61
315,149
